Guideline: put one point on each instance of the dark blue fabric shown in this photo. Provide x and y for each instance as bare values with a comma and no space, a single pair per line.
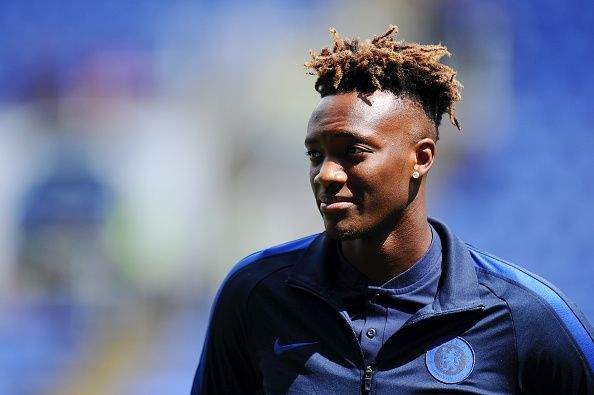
287,247
548,292
278,326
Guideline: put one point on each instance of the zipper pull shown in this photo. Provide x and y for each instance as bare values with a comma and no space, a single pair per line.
367,376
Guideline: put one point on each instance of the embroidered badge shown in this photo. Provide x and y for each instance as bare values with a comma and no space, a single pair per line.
450,362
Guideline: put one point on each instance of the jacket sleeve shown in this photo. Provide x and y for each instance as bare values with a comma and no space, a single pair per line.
555,346
226,365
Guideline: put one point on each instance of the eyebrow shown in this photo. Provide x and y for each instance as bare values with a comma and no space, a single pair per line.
336,134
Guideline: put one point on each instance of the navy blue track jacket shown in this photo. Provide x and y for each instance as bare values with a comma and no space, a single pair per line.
277,327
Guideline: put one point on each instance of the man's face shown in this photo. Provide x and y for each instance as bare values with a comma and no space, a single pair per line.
362,151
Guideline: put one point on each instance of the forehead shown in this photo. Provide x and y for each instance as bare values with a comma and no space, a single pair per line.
380,114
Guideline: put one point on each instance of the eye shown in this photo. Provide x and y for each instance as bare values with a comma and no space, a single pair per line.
313,155
354,150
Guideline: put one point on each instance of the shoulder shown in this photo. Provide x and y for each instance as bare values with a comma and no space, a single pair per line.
256,267
524,289
229,309
226,364
545,320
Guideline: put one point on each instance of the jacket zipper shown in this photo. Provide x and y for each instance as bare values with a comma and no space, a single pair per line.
368,372
367,377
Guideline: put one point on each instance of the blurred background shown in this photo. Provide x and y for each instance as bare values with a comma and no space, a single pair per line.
147,146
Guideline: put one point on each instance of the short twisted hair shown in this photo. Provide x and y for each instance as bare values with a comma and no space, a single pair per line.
402,68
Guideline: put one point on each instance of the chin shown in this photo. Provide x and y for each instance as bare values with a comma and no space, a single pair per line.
337,232
347,235
352,230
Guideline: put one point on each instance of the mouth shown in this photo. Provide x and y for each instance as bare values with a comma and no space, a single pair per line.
334,204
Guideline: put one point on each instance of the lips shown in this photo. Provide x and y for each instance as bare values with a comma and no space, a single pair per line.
334,204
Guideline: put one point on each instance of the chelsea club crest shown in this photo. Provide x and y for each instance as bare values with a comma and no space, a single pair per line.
450,362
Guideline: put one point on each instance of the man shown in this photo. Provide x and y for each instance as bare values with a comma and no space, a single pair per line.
386,300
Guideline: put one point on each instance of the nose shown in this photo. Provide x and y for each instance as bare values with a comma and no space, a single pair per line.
330,172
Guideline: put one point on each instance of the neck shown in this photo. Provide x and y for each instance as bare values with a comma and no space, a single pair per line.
387,254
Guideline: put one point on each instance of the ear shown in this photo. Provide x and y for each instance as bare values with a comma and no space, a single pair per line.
425,150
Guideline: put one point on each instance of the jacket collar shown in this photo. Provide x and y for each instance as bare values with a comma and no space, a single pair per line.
458,290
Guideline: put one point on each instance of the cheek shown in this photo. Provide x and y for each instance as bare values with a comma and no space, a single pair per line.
391,179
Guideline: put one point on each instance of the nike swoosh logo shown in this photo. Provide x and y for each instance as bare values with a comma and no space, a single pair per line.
279,350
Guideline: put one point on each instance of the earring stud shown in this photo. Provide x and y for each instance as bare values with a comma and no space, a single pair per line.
415,174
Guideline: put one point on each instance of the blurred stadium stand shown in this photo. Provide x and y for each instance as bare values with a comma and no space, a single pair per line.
147,146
